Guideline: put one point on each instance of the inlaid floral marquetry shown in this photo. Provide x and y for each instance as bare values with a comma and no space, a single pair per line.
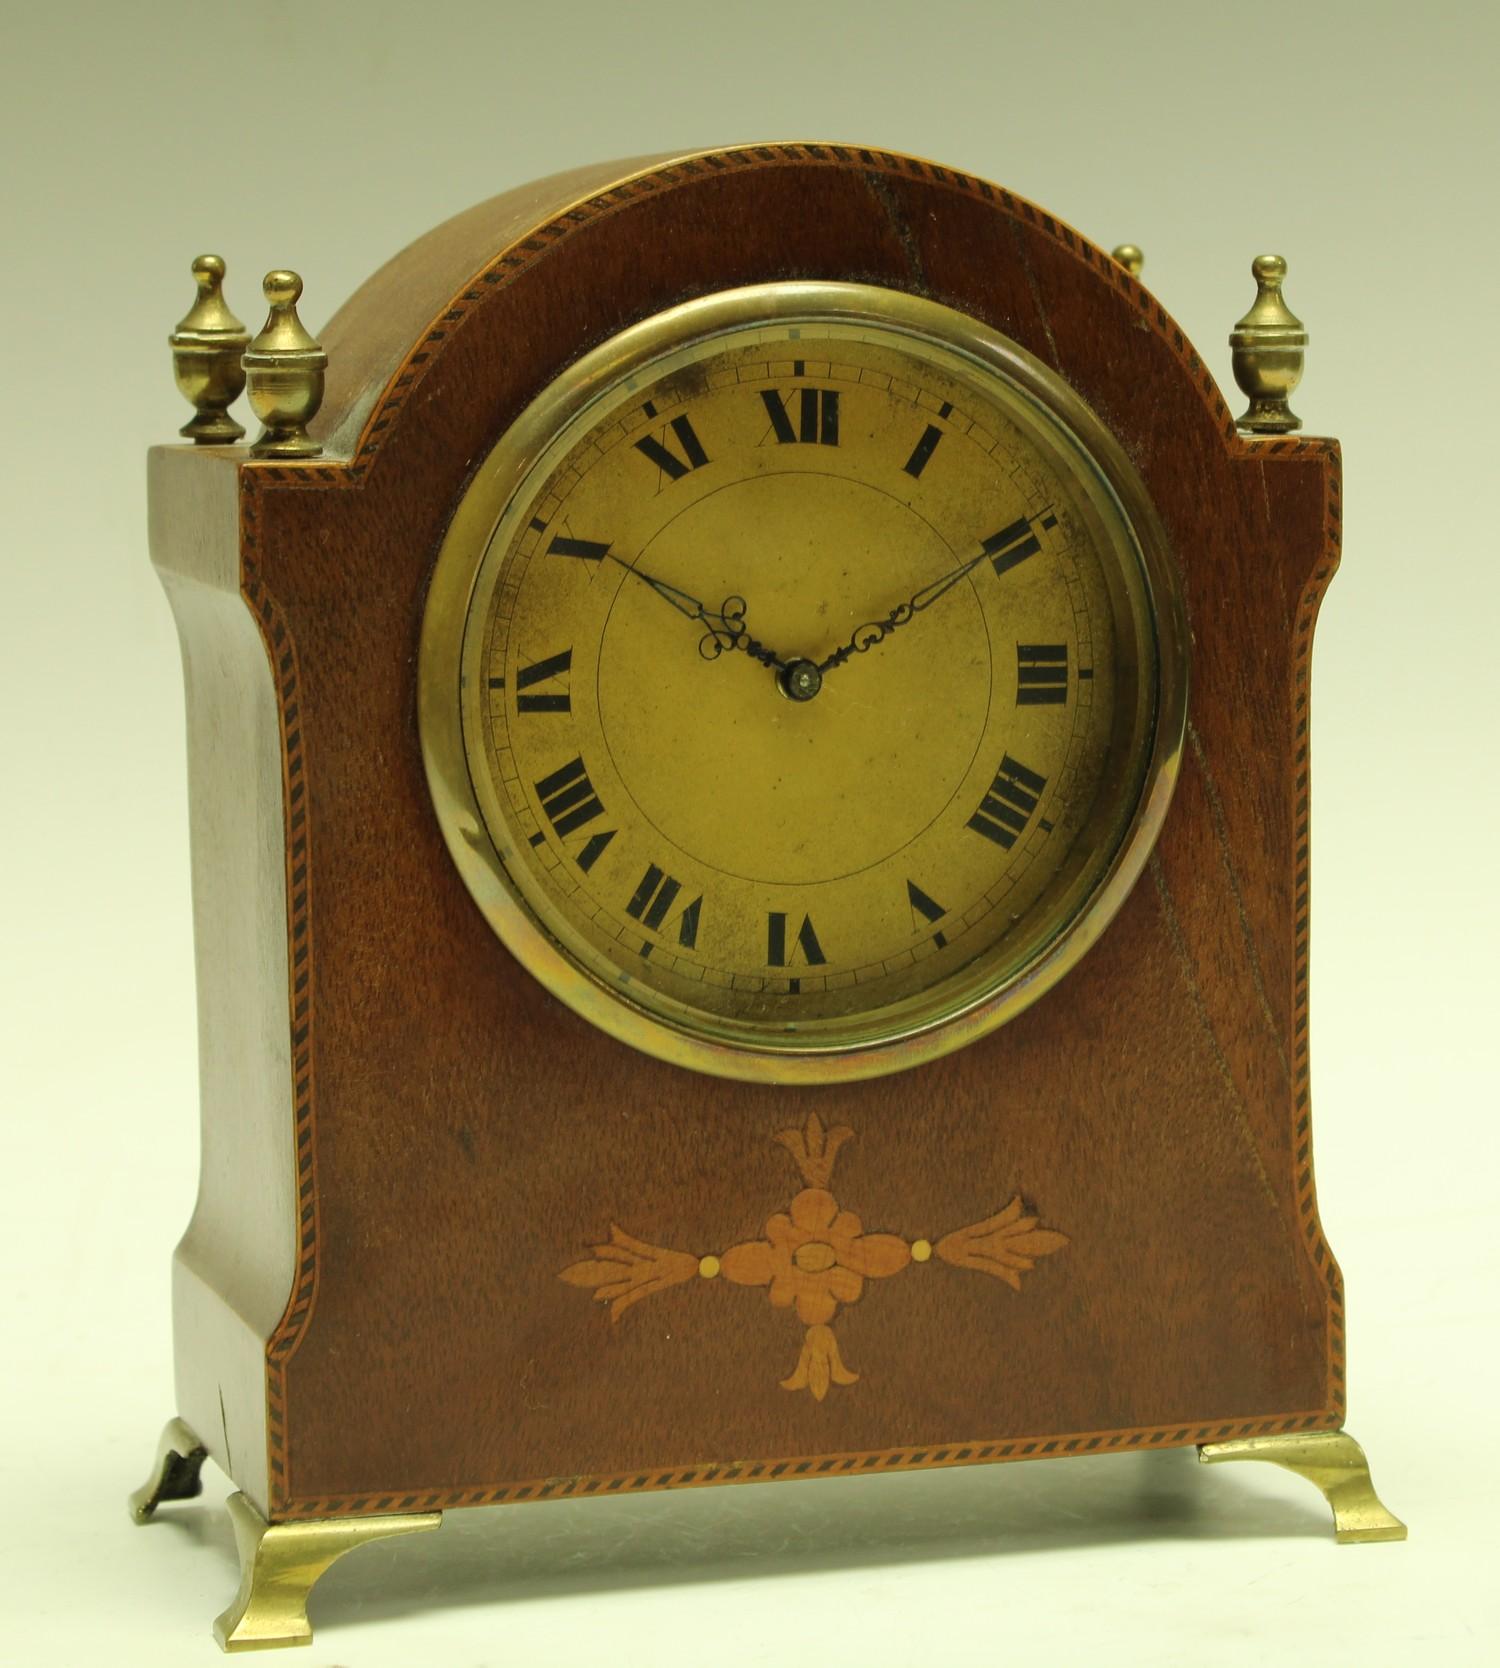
815,1257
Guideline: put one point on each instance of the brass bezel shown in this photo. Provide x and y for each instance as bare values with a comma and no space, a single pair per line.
508,467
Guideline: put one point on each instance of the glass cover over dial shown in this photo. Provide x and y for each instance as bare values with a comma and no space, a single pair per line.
801,682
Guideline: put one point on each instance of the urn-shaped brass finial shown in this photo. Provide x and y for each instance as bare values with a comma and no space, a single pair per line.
206,349
1130,257
284,370
1268,346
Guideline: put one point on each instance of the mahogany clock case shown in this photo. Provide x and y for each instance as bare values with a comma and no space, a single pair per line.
406,1142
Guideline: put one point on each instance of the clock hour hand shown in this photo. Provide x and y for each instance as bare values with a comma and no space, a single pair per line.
726,624
866,636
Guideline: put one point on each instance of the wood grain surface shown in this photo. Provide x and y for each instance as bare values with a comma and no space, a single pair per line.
456,1137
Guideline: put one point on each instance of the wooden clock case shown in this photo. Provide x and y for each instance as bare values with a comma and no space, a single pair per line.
406,1139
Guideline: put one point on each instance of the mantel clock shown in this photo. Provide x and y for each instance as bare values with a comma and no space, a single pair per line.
748,741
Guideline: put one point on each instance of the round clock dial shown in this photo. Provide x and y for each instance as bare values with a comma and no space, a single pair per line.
801,682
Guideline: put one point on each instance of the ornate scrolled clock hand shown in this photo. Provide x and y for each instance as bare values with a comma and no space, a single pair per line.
726,624
866,636
730,633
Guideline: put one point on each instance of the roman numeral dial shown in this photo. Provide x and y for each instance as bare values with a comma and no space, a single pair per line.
806,682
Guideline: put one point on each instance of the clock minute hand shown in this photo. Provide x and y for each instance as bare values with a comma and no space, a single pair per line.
680,600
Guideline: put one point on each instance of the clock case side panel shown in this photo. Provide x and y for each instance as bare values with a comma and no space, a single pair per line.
1319,573
345,549
234,1268
1232,870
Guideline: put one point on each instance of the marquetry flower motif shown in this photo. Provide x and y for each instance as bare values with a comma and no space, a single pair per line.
815,1257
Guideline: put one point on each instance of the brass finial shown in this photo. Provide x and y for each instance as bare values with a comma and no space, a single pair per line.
284,368
1130,257
1268,346
206,349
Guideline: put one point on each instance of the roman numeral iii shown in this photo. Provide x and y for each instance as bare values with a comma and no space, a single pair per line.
1006,809
664,453
1041,674
817,417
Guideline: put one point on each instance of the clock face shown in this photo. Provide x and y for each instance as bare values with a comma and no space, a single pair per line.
800,682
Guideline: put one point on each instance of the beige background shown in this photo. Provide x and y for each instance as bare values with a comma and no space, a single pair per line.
1360,140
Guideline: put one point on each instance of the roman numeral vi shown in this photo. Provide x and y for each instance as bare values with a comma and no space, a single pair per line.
806,941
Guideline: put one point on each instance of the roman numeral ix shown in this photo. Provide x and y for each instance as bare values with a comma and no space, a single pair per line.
541,672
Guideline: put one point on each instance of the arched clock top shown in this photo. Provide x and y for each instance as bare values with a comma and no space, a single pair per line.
509,291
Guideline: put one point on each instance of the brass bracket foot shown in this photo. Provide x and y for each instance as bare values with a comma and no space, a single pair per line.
175,1476
1333,1462
281,1562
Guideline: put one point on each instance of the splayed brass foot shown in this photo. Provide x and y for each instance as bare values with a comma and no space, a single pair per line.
1333,1462
175,1476
281,1562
